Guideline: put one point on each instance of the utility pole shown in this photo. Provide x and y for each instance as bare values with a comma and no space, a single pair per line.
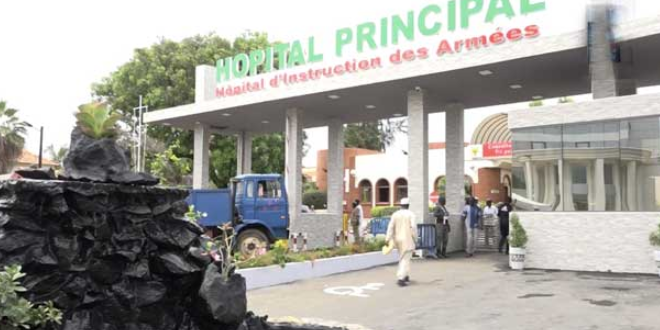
140,136
41,145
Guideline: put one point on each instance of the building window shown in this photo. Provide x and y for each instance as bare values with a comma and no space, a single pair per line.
365,191
400,190
383,192
601,166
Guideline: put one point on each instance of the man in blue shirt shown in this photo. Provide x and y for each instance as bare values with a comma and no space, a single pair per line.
471,215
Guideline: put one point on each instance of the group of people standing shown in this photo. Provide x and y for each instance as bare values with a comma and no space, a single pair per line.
473,216
402,234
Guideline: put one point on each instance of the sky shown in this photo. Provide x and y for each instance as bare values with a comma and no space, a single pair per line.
51,52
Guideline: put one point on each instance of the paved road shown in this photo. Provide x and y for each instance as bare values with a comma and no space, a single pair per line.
479,293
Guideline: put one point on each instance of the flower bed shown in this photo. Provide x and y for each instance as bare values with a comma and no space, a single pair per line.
281,255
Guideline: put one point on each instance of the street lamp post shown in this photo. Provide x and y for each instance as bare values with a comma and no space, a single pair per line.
41,145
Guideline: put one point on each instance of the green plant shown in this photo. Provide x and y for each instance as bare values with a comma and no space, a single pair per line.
17,312
317,199
383,211
97,121
12,137
221,248
194,216
654,238
518,237
279,252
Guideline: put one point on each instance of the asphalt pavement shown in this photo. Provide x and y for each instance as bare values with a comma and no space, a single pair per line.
477,293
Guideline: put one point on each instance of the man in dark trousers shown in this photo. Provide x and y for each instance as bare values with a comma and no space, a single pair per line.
442,227
503,213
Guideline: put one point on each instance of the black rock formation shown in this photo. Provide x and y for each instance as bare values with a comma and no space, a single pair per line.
100,160
115,257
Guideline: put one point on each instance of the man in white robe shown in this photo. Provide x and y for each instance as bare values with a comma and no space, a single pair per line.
401,233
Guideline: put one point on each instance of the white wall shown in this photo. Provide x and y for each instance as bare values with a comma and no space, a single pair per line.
595,242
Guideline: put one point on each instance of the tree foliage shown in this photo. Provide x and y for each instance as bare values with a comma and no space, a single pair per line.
57,154
373,135
12,137
164,74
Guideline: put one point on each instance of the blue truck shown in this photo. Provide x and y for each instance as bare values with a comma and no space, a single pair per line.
256,205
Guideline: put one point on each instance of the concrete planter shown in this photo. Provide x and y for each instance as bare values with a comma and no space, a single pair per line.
657,259
275,275
517,258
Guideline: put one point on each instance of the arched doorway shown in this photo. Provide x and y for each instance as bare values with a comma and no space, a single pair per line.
400,190
382,192
365,191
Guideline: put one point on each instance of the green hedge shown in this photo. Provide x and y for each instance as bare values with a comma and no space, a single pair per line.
316,199
383,211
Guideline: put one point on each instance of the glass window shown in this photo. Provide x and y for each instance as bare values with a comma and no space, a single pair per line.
601,166
640,164
269,189
401,190
383,192
536,158
249,191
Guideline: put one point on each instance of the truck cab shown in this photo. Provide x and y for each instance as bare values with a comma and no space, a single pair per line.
257,206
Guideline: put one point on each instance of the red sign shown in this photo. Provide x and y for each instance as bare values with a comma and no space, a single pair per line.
498,149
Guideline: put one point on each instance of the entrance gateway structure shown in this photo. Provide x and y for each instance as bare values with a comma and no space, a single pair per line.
488,53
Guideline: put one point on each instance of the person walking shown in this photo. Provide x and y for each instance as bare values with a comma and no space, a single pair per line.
357,216
490,214
400,233
471,215
503,213
442,227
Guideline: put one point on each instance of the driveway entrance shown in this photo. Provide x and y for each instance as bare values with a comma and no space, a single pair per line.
479,293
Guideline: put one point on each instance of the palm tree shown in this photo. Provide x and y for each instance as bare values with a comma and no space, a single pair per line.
12,137
58,154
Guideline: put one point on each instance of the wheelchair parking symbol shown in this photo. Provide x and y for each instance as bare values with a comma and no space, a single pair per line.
354,291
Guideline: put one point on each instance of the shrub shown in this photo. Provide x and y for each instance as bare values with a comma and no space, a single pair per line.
518,237
383,211
316,199
17,312
655,238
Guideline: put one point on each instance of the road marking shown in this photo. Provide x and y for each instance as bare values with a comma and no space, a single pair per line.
354,291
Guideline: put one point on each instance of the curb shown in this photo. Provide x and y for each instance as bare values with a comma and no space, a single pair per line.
256,278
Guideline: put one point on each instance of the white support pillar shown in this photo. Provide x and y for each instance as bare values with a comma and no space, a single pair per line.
336,167
608,79
418,156
243,153
201,157
616,174
529,180
293,163
455,157
204,83
631,185
599,185
567,180
204,91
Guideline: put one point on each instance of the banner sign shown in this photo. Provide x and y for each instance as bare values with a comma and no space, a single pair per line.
498,149
439,25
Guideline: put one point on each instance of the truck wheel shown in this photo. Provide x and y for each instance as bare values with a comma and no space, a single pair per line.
250,240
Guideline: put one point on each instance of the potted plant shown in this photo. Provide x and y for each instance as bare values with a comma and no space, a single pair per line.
95,155
654,239
518,242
